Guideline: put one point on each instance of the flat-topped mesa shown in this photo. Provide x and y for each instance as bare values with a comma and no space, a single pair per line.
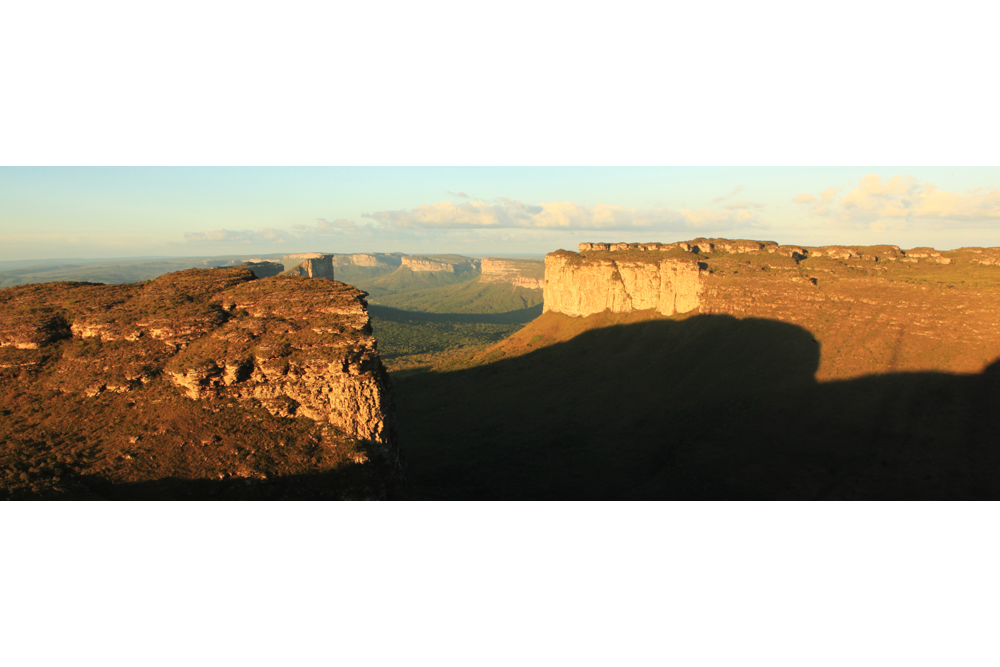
309,265
671,277
367,259
449,265
917,309
529,274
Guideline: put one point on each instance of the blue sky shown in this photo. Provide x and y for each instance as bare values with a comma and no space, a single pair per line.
91,212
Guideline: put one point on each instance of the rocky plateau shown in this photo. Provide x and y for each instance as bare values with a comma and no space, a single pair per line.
218,350
873,309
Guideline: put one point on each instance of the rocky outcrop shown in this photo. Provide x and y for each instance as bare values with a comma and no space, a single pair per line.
303,349
309,265
578,287
460,265
519,273
295,346
703,246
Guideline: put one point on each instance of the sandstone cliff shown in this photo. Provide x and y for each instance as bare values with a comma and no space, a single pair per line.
309,265
580,288
299,349
519,273
371,259
448,265
874,309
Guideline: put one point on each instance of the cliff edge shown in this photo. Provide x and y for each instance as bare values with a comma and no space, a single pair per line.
183,372
874,309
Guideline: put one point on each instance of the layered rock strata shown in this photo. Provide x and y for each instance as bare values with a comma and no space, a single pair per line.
873,308
367,259
309,265
580,288
294,346
519,273
429,264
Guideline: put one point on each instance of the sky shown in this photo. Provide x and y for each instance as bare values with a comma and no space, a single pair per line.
112,212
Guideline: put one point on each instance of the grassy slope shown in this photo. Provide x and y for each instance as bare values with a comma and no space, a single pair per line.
404,280
431,319
465,297
360,276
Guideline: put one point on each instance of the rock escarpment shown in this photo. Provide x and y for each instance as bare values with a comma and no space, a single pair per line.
287,362
580,288
300,348
450,265
371,259
519,273
874,309
309,265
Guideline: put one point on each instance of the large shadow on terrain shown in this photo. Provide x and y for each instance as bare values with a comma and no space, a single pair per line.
521,316
706,408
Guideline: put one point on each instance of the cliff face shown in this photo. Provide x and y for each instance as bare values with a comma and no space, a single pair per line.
431,264
301,350
580,288
309,265
873,309
519,273
367,259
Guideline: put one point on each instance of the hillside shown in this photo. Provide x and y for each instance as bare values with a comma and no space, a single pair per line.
727,369
202,383
405,280
425,316
472,296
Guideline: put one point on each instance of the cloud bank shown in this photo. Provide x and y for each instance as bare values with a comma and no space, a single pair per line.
901,201
505,213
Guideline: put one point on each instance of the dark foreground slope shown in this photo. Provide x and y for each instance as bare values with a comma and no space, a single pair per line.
200,384
708,407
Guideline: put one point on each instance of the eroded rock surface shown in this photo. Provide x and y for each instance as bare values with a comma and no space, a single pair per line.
370,259
579,288
309,265
519,273
430,264
299,349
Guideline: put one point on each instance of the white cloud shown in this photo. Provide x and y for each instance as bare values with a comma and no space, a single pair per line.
899,201
505,213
